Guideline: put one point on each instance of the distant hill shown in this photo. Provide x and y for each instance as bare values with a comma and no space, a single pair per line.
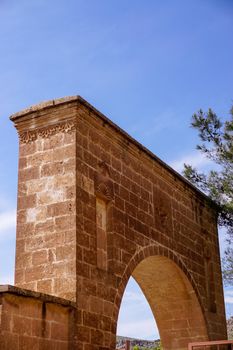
148,344
230,328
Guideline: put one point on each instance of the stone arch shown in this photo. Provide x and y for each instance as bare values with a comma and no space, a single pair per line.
145,206
171,293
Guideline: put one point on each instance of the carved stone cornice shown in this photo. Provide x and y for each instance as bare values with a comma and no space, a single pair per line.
32,135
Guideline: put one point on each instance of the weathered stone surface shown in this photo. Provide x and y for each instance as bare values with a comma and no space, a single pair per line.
94,208
47,173
30,320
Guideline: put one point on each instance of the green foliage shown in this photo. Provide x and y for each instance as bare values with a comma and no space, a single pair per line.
158,347
217,144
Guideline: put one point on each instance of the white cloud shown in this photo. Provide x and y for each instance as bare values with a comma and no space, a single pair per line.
229,292
8,279
131,296
222,237
135,318
145,329
141,131
7,222
228,296
228,300
7,240
197,160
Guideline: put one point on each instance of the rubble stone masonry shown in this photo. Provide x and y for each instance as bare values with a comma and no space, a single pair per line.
94,208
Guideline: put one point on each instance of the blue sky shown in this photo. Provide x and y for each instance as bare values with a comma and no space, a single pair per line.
148,65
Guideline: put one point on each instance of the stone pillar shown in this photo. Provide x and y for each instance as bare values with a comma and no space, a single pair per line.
46,212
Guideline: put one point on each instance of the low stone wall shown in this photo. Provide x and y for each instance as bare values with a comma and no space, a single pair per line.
35,321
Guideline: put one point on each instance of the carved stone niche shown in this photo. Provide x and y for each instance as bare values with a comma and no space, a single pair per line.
103,183
162,211
104,194
207,250
209,274
197,209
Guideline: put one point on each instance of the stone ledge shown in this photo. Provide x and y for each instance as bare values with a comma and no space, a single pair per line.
44,105
6,288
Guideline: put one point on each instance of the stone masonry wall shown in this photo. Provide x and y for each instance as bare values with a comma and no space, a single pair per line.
150,211
46,228
29,321
127,205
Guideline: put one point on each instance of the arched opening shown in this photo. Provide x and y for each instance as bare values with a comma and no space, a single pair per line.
173,302
136,319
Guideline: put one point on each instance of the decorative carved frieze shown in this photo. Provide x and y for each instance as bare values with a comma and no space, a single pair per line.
32,135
